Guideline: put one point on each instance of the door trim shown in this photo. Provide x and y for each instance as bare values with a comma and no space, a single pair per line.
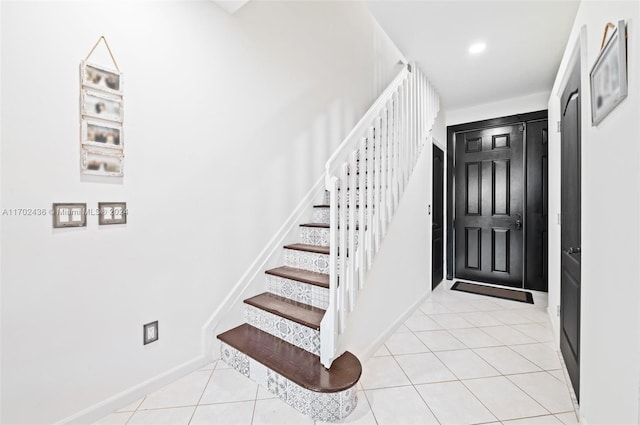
451,187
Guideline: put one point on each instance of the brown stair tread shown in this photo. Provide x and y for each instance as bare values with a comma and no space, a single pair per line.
320,225
298,312
312,278
292,362
309,248
322,206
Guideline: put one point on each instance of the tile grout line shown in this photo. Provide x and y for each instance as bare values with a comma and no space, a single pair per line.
202,393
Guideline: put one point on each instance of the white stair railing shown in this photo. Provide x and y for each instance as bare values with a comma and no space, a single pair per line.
365,179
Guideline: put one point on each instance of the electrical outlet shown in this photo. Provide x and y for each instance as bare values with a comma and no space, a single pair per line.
150,332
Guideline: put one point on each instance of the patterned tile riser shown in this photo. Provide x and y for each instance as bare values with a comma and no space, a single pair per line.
325,407
314,236
294,333
322,215
311,261
298,291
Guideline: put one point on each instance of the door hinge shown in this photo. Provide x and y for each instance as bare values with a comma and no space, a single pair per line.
559,126
522,127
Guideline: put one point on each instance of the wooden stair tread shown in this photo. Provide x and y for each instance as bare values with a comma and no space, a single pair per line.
309,248
294,363
322,206
298,312
319,225
312,278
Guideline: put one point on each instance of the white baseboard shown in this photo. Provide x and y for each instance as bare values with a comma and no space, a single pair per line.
128,396
369,351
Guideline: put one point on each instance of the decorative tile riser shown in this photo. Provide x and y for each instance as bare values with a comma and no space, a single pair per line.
298,291
311,261
294,333
314,236
320,215
325,407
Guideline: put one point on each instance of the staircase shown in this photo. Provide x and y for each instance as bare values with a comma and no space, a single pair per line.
279,346
292,342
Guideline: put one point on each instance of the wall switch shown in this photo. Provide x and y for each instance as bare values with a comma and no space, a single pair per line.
150,332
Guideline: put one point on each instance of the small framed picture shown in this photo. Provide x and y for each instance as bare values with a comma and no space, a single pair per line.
104,135
69,215
609,75
101,163
101,105
112,213
101,78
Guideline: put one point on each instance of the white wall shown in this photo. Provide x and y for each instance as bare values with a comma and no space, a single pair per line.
229,120
517,105
610,343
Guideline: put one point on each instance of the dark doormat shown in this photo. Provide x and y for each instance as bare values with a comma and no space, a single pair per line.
492,291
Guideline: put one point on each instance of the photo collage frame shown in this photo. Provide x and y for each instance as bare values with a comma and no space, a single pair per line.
101,120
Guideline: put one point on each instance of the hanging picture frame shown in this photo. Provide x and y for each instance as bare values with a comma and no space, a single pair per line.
100,163
101,78
608,76
102,134
101,105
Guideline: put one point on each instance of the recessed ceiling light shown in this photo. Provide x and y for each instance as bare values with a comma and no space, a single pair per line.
477,48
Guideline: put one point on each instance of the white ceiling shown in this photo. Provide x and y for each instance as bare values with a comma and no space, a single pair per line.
525,41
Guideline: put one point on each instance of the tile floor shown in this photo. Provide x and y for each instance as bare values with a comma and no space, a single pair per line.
459,359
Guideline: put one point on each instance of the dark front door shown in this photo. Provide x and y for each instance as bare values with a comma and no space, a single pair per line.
570,237
489,205
437,252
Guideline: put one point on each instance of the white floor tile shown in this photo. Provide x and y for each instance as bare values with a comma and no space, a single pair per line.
462,307
382,351
185,391
510,317
264,394
175,416
402,329
277,412
558,374
486,305
466,364
504,399
382,372
481,318
440,340
540,354
421,323
474,337
228,385
536,315
240,413
222,365
209,366
405,343
452,403
536,331
117,418
552,394
568,418
538,420
506,361
451,321
424,368
402,405
131,407
434,308
508,335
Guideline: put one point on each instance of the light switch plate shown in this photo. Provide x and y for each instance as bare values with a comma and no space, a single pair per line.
150,332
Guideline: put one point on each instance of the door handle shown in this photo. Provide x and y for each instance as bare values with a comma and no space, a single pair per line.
518,221
573,250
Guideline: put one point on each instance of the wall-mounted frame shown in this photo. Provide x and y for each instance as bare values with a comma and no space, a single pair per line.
101,78
101,163
69,215
101,105
609,75
112,213
102,134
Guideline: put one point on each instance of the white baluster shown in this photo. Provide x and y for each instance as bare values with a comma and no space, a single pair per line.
369,183
341,248
362,215
353,201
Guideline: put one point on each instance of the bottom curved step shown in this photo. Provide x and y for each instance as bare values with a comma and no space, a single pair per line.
293,374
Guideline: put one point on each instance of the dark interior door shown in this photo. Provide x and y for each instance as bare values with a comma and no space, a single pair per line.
536,220
489,205
570,232
437,232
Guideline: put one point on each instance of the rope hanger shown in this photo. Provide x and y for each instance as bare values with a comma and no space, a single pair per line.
102,38
608,26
